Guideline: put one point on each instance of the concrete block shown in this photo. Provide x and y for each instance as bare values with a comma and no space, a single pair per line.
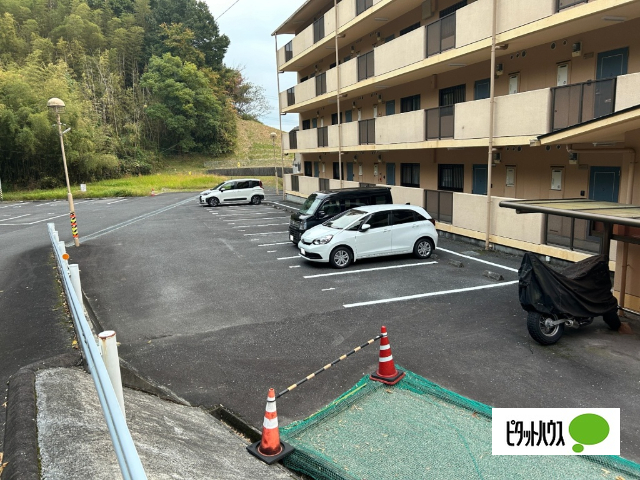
493,275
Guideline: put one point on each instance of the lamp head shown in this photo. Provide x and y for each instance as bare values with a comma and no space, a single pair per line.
55,105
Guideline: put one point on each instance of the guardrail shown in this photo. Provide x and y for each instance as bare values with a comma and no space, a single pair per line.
125,449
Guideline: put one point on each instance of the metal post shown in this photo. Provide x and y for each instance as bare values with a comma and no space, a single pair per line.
74,274
491,108
335,11
72,212
275,36
109,350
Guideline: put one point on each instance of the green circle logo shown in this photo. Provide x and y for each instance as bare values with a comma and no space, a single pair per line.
588,429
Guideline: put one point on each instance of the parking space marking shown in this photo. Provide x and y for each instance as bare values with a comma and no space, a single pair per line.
287,258
43,204
271,244
32,223
346,272
250,219
478,260
265,233
327,289
271,251
236,214
13,218
430,294
116,201
282,205
263,225
294,266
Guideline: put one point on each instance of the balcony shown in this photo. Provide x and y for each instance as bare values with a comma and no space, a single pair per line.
400,52
441,35
440,123
402,128
307,139
581,102
520,114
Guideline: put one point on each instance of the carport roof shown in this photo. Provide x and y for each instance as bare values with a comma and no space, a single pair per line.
609,212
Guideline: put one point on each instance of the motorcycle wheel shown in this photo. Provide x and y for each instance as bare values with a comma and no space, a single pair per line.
542,333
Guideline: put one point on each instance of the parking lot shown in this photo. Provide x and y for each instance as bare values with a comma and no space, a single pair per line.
217,305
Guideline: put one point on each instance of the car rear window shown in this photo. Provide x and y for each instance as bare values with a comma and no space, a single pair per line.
380,200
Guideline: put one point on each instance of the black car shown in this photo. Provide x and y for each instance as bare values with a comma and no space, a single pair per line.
321,206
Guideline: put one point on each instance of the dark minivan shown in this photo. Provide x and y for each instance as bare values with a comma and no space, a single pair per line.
321,206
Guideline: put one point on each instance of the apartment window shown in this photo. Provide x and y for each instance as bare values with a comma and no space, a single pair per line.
409,104
291,96
318,29
389,38
452,95
348,116
308,172
304,79
321,84
332,65
288,51
410,28
449,10
390,107
481,89
410,175
336,172
365,66
334,118
562,4
306,124
314,123
451,177
363,5
346,59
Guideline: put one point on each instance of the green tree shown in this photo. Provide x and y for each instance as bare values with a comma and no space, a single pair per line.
187,108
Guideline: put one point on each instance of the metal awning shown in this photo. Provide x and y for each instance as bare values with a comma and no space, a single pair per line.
607,212
304,14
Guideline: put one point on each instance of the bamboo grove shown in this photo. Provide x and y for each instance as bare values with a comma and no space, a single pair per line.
140,79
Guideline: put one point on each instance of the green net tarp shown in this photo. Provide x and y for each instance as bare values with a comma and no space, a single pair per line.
418,430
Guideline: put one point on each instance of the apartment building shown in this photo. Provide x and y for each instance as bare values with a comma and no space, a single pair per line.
407,102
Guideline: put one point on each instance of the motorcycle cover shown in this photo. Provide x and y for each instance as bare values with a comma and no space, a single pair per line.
581,290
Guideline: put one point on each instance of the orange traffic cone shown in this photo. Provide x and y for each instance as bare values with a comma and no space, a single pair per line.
153,192
387,372
270,449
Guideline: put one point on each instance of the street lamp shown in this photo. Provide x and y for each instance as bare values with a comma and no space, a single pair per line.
273,141
57,106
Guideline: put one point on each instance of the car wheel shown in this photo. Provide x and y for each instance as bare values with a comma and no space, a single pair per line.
341,257
213,201
256,200
423,248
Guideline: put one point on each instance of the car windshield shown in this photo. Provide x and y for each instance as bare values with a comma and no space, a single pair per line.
310,205
217,186
345,219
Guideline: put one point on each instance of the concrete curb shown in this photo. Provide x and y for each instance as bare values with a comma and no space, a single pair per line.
280,206
21,432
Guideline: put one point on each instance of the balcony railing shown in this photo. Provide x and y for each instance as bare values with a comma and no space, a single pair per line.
365,66
295,183
571,233
323,137
440,122
562,4
441,35
362,5
367,131
318,29
575,104
291,96
324,183
321,84
439,204
293,139
288,51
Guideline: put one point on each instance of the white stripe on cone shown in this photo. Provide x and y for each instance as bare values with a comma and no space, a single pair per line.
386,359
385,347
269,424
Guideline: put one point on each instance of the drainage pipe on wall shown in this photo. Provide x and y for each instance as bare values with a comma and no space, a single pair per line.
337,67
628,200
492,84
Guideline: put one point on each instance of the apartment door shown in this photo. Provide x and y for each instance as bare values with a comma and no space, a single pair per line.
391,173
316,169
307,169
479,186
604,183
350,171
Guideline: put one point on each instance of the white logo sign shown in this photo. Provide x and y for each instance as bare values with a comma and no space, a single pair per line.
555,431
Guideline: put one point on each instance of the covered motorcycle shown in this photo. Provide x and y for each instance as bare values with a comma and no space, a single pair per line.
571,297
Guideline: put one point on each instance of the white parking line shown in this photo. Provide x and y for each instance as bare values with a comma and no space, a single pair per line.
13,218
478,260
272,244
430,294
327,289
266,233
43,204
116,201
287,258
250,219
33,223
294,266
263,225
346,272
236,214
271,251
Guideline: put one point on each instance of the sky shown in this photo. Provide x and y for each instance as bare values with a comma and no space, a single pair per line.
249,24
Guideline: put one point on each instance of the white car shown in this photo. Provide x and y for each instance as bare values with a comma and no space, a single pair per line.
243,190
370,231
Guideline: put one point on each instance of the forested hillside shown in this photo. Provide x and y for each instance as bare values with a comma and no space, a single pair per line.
140,78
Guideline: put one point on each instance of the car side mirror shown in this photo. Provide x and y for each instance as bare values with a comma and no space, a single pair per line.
365,227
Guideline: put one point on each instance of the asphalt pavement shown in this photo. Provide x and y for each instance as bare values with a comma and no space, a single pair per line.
219,311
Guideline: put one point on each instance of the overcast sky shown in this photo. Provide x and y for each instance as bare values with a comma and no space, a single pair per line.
249,24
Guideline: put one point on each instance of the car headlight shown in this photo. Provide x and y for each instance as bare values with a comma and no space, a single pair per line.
323,240
303,225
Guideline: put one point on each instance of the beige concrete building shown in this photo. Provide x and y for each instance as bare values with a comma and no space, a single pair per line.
409,97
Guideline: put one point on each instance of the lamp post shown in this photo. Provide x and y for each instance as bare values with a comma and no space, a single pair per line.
57,106
273,136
